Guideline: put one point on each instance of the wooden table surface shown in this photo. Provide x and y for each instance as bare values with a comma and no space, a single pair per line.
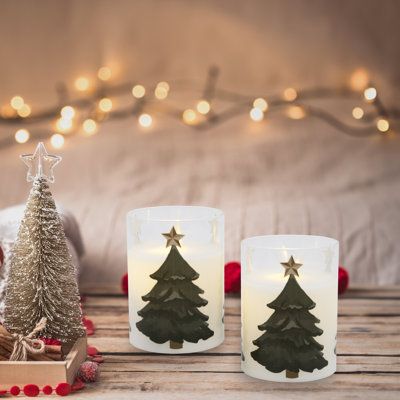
368,356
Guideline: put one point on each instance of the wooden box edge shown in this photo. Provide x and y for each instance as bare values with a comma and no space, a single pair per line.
43,373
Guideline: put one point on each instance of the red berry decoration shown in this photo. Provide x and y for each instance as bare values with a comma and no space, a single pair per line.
232,277
50,341
1,256
124,284
47,390
89,325
63,389
89,371
98,359
15,390
343,280
78,385
92,351
31,390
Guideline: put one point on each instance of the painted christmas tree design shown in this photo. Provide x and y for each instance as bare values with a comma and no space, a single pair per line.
288,343
172,313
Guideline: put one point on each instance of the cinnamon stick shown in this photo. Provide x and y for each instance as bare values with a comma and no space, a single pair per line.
53,348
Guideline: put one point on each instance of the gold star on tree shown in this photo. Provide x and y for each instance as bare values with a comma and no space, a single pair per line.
291,267
173,238
40,164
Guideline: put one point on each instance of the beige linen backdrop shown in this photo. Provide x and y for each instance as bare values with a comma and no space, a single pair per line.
281,176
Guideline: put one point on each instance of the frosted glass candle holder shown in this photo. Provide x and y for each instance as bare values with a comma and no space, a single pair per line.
176,278
289,307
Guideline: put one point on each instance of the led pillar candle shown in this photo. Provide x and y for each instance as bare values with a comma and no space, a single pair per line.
176,272
289,307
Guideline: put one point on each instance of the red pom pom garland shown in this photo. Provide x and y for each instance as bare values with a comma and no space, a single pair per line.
48,390
63,389
15,390
31,390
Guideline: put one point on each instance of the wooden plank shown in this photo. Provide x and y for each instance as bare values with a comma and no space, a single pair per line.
348,343
230,363
231,382
120,392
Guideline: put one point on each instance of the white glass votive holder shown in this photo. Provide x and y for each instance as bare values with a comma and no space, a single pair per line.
289,307
176,278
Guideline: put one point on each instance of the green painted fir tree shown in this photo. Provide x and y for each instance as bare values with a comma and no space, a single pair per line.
172,312
288,343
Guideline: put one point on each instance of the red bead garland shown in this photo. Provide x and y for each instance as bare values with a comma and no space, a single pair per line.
63,389
15,390
47,390
31,390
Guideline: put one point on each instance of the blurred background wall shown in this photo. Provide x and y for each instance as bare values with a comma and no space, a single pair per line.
280,176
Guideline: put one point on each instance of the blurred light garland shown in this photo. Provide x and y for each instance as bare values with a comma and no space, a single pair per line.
85,114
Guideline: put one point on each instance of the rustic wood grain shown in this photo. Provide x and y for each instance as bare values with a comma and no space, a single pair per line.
368,355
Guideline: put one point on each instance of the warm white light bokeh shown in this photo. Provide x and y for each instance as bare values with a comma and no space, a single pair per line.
82,83
104,73
358,112
105,105
370,94
145,120
256,114
203,107
290,94
57,141
22,136
261,104
89,126
138,91
189,116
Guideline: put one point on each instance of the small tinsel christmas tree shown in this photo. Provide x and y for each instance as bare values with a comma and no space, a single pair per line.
42,278
288,343
172,312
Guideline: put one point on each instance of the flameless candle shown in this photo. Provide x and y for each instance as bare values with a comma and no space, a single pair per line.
175,270
289,307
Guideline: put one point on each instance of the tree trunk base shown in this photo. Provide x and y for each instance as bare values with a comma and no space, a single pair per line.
175,345
291,374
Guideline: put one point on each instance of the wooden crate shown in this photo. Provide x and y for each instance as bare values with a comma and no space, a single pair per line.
43,373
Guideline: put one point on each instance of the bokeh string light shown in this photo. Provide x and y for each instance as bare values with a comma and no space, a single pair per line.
84,115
